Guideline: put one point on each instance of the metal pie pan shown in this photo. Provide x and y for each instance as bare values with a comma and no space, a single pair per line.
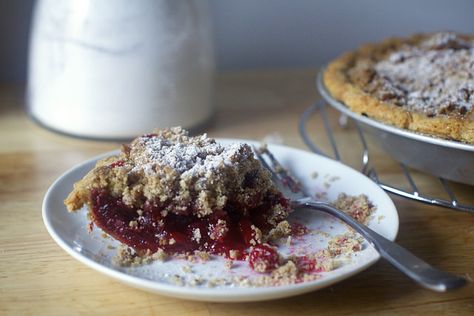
443,158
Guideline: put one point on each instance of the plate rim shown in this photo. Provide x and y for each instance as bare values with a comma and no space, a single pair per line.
239,294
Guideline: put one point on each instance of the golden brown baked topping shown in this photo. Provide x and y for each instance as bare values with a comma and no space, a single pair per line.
436,76
405,82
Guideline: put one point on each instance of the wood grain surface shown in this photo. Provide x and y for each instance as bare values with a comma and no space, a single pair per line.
38,278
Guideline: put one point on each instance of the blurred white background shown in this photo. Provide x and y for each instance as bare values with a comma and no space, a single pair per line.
275,33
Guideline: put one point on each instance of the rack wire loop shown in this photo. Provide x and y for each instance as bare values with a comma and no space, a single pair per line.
370,171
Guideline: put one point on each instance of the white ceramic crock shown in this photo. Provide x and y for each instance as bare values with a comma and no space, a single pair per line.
118,68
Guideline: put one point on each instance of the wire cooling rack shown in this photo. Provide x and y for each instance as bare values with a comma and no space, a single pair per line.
414,193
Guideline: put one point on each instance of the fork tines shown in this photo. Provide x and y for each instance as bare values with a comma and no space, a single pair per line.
277,169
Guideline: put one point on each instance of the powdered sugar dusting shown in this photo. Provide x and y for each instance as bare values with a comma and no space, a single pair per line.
436,77
190,157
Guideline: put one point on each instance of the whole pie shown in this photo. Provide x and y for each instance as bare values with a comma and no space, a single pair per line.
424,83
171,192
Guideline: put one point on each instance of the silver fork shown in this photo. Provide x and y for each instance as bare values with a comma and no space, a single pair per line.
412,266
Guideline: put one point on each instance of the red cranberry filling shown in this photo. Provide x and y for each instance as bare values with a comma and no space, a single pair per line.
263,258
118,163
219,233
306,264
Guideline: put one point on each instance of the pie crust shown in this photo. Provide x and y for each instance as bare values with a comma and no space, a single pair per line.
424,83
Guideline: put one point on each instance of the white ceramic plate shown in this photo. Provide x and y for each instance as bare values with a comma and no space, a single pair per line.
70,232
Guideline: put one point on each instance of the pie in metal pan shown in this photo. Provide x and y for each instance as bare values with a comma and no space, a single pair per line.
415,96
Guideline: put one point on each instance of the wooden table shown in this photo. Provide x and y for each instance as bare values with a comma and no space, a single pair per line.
37,277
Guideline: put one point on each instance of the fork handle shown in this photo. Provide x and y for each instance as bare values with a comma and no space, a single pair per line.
412,266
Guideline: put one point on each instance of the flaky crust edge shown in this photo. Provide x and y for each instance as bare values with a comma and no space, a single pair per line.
358,101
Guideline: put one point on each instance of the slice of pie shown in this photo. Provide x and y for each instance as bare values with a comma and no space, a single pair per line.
171,192
424,83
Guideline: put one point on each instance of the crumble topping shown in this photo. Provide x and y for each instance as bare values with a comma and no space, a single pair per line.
257,235
434,76
189,157
359,207
198,256
234,254
181,174
219,230
187,269
127,257
344,244
228,264
264,258
283,229
177,280
284,274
